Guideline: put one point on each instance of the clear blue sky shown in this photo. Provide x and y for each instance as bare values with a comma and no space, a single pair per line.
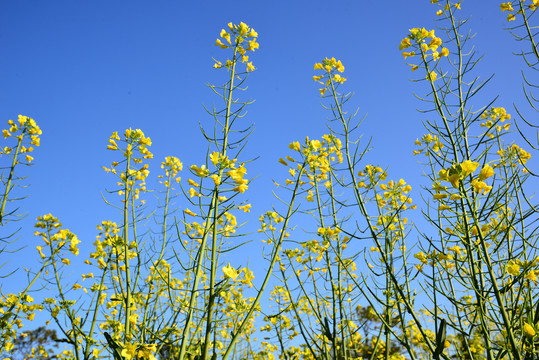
83,69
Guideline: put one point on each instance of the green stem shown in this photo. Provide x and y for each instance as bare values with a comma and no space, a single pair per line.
127,298
9,180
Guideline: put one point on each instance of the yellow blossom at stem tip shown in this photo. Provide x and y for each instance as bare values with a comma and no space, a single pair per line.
528,329
230,272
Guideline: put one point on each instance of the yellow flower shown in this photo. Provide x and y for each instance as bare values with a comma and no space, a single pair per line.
250,66
192,192
486,172
480,187
216,179
528,329
66,261
510,17
468,167
219,43
439,196
506,6
457,6
245,208
318,66
338,78
439,12
432,76
146,351
457,249
225,35
405,43
129,351
230,272
434,43
532,275
295,146
200,171
513,268
421,257
214,157
408,54
253,45
189,212
444,207
40,249
241,188
243,28
454,180
444,52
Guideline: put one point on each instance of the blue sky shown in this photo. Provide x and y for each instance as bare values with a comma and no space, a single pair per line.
85,69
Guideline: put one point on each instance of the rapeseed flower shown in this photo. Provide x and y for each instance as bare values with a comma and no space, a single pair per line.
507,6
486,172
230,272
234,38
468,167
528,329
513,268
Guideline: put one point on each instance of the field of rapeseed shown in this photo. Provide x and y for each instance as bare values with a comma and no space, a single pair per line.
343,279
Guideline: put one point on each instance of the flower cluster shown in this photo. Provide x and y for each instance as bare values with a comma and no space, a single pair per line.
431,143
508,6
492,117
330,76
513,155
528,269
268,221
135,150
446,7
107,242
24,129
237,174
395,195
221,162
55,238
418,40
242,39
317,156
12,308
172,165
139,351
456,174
